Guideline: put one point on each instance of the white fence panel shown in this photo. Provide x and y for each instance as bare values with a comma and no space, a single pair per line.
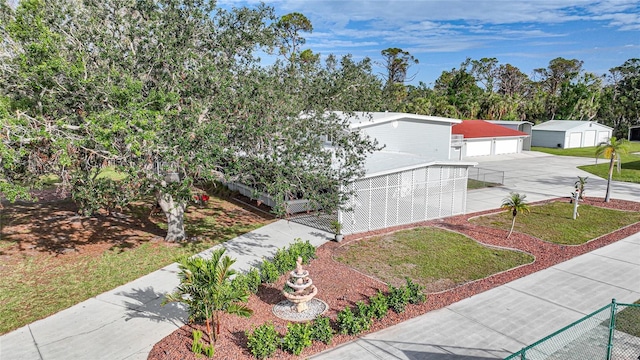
406,197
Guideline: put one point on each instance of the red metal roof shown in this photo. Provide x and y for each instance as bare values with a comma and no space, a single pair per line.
480,129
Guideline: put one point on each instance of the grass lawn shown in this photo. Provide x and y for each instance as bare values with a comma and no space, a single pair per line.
630,162
37,280
473,184
628,320
435,258
553,222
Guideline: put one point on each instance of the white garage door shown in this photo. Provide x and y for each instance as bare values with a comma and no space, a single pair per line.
603,136
506,146
590,138
478,148
575,140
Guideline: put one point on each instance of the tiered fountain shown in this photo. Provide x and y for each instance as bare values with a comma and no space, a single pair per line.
303,288
300,304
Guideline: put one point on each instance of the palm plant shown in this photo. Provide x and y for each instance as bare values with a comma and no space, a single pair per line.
579,185
516,204
612,149
205,286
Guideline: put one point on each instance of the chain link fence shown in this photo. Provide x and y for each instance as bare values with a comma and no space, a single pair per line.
612,332
481,178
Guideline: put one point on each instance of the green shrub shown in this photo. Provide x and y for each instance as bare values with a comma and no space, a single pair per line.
297,338
303,249
416,292
364,315
263,341
253,280
351,324
196,346
268,272
321,330
248,282
378,304
363,309
398,298
283,261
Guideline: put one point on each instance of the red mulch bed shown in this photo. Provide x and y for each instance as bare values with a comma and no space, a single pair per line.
341,286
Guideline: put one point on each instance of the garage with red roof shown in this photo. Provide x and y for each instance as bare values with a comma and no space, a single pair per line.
484,138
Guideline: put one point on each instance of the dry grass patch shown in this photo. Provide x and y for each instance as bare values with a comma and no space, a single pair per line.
435,258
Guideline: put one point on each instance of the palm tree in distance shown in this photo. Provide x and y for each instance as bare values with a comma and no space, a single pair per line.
516,204
612,149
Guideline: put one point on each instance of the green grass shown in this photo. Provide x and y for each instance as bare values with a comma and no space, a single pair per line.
628,320
428,255
473,184
630,163
36,284
553,222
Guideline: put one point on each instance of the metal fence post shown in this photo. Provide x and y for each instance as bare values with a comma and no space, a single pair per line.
612,326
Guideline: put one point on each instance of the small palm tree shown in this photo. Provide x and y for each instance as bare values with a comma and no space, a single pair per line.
612,149
205,286
516,204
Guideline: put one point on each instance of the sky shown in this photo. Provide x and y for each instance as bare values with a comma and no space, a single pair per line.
441,34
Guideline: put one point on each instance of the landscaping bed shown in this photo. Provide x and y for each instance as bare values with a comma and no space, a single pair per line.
341,286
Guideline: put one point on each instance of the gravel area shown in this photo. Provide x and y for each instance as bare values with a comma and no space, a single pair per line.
340,285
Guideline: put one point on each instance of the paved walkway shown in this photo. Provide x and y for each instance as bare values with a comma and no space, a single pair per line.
126,322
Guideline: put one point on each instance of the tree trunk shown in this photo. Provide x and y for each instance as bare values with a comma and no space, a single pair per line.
174,211
513,223
607,196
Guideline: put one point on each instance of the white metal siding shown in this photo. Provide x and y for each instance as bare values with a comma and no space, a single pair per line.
406,197
575,140
589,138
507,146
430,140
477,148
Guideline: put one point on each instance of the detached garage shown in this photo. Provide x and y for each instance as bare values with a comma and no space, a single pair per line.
524,126
484,138
566,134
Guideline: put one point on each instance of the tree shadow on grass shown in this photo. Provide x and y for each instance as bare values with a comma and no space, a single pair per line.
55,227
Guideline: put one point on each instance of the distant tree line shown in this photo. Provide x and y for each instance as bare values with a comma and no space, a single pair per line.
486,89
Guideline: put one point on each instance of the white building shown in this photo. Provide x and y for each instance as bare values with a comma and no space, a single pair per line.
565,134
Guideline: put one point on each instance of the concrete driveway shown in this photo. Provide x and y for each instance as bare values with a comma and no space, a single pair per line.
541,176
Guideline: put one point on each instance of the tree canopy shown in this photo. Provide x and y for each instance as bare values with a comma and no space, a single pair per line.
172,93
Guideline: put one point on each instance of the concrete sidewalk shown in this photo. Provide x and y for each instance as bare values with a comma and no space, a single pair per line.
126,322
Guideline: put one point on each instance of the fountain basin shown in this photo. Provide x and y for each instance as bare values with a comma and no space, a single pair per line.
299,287
300,300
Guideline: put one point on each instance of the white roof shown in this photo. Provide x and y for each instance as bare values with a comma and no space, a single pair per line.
362,119
385,162
564,125
508,122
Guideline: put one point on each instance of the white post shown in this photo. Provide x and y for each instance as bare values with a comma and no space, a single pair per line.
575,204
